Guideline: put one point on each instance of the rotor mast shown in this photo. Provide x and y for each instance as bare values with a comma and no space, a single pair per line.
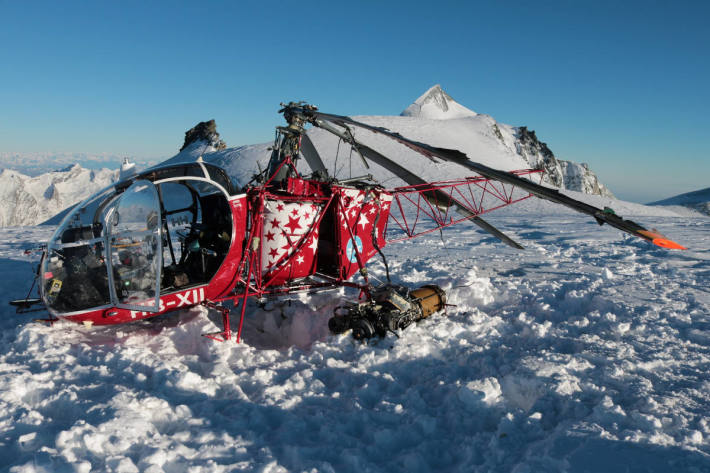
287,144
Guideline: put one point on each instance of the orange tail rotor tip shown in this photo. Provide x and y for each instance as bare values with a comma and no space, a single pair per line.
666,243
658,239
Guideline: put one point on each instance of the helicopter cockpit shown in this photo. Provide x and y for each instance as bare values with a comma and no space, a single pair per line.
159,232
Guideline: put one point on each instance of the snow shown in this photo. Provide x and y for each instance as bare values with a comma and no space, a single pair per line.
588,351
438,105
31,200
480,137
698,201
437,120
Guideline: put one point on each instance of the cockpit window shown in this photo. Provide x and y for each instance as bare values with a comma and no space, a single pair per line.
75,271
84,222
134,232
133,241
197,236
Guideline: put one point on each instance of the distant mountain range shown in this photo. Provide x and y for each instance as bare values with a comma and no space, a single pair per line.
435,118
27,200
697,200
34,164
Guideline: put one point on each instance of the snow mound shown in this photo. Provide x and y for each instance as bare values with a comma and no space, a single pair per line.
586,352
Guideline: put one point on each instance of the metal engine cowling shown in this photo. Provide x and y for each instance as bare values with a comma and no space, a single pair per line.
431,298
392,307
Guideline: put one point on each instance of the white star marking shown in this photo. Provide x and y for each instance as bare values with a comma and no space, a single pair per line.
363,221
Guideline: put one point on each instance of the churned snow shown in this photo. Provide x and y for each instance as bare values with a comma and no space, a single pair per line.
589,351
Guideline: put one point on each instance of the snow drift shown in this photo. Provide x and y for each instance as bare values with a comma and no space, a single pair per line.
587,352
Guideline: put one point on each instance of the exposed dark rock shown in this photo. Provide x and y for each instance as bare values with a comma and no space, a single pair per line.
49,193
497,132
560,173
204,131
530,146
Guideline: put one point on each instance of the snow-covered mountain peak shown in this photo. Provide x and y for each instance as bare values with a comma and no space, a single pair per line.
72,167
438,105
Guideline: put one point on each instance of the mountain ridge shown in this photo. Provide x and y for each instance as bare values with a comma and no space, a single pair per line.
698,200
35,199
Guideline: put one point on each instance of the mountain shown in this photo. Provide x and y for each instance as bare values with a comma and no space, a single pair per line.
36,163
30,200
435,118
435,104
697,200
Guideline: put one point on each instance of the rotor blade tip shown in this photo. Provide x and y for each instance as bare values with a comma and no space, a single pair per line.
668,244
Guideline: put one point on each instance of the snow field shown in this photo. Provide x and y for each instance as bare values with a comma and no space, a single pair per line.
588,351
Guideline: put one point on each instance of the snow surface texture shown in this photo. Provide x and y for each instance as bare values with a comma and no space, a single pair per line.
588,352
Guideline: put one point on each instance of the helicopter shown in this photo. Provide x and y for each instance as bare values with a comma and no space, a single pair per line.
184,234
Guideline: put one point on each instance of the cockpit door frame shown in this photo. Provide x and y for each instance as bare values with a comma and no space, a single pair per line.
128,248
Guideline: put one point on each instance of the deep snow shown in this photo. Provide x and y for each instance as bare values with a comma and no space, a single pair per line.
589,351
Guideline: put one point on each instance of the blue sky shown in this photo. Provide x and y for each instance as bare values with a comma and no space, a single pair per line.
620,85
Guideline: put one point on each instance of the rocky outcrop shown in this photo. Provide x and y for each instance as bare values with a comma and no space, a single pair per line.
563,174
578,177
204,131
538,155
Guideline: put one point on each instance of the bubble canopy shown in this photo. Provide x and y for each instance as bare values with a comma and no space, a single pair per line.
163,231
106,252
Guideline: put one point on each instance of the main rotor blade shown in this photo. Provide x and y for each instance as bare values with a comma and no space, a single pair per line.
602,216
310,154
435,196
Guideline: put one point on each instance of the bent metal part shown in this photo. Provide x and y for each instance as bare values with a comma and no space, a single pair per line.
179,235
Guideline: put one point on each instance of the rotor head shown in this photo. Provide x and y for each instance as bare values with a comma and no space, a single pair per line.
296,114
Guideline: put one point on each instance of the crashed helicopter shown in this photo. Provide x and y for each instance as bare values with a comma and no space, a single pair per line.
183,234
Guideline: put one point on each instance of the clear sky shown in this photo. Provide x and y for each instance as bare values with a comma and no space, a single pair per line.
620,85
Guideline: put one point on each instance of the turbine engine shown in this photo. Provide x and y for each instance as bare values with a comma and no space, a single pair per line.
392,307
